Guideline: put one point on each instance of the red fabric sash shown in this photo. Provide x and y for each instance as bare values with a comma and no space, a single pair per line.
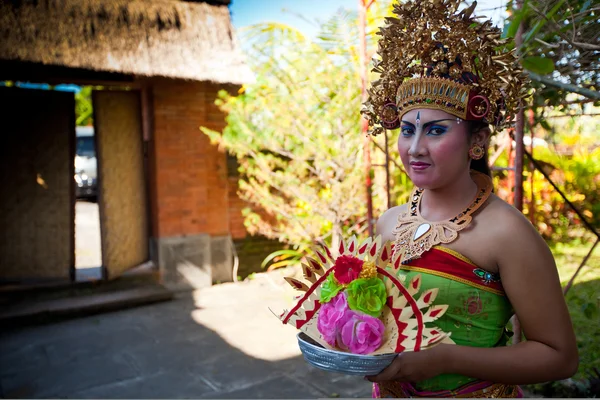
447,263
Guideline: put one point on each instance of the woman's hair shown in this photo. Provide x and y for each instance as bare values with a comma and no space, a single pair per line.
481,165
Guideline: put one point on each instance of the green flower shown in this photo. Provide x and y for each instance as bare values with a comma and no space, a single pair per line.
329,289
367,295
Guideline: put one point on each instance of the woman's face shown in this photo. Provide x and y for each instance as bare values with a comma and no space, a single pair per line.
433,147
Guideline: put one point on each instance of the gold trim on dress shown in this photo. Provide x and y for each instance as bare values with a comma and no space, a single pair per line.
408,267
456,254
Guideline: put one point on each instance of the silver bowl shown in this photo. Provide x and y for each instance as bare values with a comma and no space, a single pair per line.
341,362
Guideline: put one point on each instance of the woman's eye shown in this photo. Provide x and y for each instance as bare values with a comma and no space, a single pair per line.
407,131
437,131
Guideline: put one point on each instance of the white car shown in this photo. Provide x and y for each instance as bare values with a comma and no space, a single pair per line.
85,163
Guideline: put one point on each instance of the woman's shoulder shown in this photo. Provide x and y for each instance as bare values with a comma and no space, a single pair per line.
394,212
508,228
503,216
388,221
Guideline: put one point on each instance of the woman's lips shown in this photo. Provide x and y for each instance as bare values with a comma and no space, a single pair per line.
419,166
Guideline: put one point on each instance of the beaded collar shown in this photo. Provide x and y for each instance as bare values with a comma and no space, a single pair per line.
415,235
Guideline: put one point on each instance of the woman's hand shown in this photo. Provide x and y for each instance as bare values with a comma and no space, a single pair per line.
413,366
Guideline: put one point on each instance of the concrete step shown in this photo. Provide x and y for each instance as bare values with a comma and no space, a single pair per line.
44,310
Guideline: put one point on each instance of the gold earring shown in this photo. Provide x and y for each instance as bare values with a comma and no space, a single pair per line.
476,152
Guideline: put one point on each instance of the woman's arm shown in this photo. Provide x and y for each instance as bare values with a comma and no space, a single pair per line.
531,282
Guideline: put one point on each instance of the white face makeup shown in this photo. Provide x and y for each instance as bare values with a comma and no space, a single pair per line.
433,147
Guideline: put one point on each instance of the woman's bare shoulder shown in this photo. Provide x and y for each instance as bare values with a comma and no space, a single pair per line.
511,231
387,222
504,216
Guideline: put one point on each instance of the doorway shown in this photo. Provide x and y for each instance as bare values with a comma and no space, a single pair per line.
75,207
88,246
36,177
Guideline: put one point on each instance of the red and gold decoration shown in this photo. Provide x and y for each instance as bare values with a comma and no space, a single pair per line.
354,300
476,151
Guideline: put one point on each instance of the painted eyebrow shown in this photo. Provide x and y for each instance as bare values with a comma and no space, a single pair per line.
427,123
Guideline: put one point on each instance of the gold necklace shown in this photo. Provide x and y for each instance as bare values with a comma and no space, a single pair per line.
415,235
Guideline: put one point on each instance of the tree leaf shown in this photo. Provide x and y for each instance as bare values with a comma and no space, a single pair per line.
585,6
590,310
539,65
540,24
545,125
281,253
510,29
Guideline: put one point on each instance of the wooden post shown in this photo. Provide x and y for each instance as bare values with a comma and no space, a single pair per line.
387,171
531,115
518,172
511,167
362,26
518,192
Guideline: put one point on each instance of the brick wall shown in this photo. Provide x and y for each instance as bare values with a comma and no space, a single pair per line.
190,185
193,184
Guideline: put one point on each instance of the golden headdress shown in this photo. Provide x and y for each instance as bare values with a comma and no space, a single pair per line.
432,56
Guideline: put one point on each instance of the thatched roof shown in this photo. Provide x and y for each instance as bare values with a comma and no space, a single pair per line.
169,38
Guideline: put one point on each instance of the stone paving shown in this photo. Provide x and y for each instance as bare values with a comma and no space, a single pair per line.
87,235
219,342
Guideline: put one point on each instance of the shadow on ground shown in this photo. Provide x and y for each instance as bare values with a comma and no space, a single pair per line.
219,342
156,351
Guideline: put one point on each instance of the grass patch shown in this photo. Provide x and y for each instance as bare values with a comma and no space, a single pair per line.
583,300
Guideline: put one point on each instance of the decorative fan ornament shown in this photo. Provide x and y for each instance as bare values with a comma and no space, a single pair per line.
354,300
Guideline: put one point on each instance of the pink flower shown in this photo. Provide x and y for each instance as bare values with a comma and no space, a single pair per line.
329,317
359,333
347,268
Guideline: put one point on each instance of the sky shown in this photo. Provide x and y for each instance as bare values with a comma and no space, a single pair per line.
248,12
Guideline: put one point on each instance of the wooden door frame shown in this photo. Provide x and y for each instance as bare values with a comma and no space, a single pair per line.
145,110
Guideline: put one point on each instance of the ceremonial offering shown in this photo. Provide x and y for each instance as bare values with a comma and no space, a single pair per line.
356,314
342,362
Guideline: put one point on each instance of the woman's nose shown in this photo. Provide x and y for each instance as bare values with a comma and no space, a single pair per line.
417,147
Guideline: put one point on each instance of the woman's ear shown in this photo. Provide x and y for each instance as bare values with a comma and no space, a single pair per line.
481,136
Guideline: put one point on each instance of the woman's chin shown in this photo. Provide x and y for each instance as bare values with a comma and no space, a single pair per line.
421,180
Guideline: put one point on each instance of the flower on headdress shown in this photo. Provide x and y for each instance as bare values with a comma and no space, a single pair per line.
367,295
329,289
330,316
346,269
360,333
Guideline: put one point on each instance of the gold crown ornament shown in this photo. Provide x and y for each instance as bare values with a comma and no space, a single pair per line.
433,56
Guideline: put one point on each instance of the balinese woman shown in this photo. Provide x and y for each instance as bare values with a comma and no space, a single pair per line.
446,83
